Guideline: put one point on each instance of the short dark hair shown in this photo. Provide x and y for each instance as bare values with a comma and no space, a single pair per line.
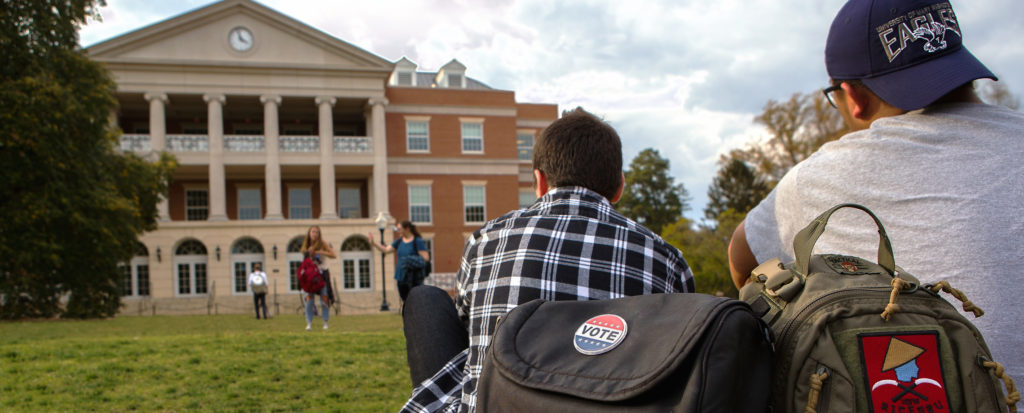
580,150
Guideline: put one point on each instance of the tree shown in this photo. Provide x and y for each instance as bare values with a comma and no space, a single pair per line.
706,251
71,204
996,93
651,197
796,128
736,187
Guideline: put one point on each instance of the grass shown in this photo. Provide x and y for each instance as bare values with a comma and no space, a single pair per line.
204,363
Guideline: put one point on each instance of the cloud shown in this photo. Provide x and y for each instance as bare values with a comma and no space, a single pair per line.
684,76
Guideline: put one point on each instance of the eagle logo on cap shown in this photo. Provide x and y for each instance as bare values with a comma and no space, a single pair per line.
934,34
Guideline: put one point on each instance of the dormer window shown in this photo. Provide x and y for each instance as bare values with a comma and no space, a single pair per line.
454,80
404,74
404,78
451,75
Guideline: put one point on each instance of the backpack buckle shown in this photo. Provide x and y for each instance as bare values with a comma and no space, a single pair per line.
779,282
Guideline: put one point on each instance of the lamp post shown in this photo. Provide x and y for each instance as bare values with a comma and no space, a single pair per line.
382,222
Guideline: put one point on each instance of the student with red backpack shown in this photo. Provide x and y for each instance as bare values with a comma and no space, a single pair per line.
315,252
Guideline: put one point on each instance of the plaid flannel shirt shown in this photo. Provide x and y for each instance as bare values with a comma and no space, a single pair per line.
569,245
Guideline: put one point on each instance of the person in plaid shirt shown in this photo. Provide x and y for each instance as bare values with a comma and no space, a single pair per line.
570,244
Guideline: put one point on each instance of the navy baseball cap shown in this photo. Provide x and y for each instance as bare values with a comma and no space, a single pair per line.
908,52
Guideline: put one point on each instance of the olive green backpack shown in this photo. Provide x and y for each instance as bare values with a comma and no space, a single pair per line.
858,336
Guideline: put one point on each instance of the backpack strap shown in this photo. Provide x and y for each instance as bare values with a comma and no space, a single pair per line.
803,242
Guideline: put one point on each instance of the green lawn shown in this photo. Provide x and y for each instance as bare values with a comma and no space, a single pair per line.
205,363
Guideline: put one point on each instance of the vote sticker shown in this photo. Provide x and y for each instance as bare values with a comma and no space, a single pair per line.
600,334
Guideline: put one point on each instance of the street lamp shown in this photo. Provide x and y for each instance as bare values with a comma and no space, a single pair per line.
382,222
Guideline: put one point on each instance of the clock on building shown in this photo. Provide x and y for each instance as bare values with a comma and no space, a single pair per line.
240,39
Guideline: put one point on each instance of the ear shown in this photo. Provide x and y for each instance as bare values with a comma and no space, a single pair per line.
860,102
542,182
622,186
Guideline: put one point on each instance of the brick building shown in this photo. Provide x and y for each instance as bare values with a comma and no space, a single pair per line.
261,111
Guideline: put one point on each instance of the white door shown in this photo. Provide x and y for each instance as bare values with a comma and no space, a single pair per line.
190,274
243,265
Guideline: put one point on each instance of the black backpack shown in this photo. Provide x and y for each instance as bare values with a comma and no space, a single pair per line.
656,353
425,271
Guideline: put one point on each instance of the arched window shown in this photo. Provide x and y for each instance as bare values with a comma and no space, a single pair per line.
245,254
295,245
191,247
247,246
356,243
356,260
294,258
135,280
190,268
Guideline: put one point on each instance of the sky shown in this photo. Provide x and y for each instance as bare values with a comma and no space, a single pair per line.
685,77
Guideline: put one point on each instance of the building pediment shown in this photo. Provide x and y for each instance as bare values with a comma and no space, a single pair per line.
211,36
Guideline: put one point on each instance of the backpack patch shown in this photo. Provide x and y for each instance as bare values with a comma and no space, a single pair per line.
847,265
903,372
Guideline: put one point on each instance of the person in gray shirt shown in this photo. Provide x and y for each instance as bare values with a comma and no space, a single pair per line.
942,170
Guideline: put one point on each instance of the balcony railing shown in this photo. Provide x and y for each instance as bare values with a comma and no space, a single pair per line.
299,143
135,143
247,143
353,144
188,143
244,143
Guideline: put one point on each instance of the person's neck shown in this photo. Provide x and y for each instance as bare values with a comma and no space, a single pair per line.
962,94
408,237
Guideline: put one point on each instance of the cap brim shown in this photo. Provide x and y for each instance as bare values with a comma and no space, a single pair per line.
918,86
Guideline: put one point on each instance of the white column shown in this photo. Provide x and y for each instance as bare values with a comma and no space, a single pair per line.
380,155
158,140
157,120
215,128
272,175
328,207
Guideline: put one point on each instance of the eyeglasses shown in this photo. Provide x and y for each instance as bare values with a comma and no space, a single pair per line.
828,94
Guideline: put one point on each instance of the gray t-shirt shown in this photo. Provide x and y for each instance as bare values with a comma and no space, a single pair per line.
947,183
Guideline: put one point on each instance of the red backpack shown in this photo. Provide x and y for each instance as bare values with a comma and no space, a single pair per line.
309,277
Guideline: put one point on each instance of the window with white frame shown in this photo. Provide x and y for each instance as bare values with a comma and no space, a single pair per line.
472,136
527,196
246,253
135,273
294,257
350,203
473,198
197,204
249,203
355,256
417,134
419,203
524,145
190,268
300,203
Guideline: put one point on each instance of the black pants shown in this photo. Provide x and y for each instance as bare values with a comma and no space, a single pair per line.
434,333
260,300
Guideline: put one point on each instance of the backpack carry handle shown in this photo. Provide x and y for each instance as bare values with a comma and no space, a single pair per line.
803,242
